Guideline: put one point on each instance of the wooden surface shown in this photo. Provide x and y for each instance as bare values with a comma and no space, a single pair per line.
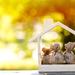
58,73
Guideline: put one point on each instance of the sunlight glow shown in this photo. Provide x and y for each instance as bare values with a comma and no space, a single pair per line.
6,20
7,55
50,36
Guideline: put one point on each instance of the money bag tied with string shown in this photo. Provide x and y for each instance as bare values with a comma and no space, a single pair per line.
56,56
46,56
68,54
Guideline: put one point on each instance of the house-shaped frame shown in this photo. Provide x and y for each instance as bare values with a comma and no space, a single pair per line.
54,67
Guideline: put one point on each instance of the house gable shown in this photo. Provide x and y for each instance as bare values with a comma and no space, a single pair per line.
61,25
51,27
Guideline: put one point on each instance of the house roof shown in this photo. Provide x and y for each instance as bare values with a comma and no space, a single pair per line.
58,24
53,26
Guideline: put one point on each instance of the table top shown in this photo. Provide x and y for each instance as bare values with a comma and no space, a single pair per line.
24,72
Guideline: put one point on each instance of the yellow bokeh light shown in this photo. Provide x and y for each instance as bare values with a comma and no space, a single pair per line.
50,36
6,21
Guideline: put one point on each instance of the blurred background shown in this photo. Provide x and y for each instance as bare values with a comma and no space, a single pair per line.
21,21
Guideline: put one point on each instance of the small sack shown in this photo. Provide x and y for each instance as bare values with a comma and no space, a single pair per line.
46,59
69,57
57,58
